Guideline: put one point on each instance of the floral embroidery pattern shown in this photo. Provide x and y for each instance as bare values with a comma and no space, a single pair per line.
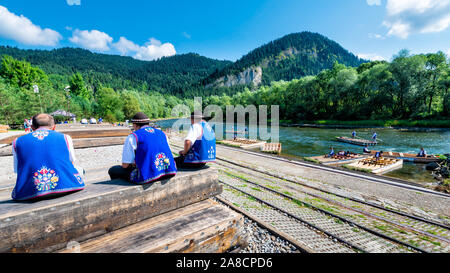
162,162
45,179
79,178
211,153
150,130
40,134
134,175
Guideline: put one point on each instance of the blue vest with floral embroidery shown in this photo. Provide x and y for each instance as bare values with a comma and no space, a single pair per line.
153,158
203,150
44,166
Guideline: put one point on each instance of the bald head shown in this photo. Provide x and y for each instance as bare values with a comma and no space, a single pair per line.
43,120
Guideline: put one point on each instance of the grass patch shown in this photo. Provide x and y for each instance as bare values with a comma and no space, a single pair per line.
287,193
311,160
425,238
346,166
256,189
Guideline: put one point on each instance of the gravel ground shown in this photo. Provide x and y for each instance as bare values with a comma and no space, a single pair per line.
260,239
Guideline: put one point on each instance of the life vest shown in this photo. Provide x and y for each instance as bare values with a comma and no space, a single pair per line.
153,156
44,166
204,149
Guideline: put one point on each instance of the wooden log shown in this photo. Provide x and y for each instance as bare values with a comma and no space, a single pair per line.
80,134
80,143
201,227
102,207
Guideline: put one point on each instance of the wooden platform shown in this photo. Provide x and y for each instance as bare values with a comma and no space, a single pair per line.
356,141
4,128
77,134
271,148
205,227
102,207
80,143
243,143
337,160
383,165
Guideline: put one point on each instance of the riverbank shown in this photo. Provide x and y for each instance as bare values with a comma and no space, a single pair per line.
408,125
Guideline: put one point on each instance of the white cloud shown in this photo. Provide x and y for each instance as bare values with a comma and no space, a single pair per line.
406,17
92,40
376,36
185,34
22,30
124,46
73,2
373,2
152,50
371,57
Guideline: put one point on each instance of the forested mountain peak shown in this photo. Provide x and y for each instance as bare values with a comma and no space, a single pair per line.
292,56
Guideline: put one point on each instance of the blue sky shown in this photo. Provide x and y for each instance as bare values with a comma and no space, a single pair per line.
149,29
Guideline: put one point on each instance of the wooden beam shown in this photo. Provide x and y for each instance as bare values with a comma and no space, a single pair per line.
102,207
201,227
81,134
80,143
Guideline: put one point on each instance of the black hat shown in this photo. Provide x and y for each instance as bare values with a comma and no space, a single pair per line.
140,118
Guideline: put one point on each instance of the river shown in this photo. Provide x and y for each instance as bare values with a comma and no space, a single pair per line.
306,142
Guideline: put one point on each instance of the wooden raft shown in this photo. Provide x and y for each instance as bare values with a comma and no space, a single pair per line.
243,143
272,148
104,207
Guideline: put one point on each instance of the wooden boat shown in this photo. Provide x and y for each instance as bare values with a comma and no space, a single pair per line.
409,157
356,141
380,166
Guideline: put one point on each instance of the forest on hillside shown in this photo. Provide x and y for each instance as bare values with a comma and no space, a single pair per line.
408,87
413,87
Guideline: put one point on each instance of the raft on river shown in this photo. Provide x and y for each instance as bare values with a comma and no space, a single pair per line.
336,159
409,157
356,141
380,166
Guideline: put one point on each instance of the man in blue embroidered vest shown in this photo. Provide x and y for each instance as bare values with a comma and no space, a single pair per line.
146,154
199,144
43,161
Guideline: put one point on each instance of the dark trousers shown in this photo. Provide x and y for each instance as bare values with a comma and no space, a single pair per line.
117,172
179,161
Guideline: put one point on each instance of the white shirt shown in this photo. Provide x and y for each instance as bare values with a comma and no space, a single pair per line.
195,133
129,148
69,144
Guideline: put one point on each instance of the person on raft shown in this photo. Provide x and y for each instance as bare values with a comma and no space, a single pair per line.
199,144
146,154
331,153
44,163
354,134
366,149
422,153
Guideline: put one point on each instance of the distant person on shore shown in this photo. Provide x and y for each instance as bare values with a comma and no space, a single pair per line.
366,149
199,144
146,154
422,153
354,134
43,161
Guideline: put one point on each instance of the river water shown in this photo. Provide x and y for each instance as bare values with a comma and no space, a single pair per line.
306,142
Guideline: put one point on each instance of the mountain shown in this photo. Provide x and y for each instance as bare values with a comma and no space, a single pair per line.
166,75
292,56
